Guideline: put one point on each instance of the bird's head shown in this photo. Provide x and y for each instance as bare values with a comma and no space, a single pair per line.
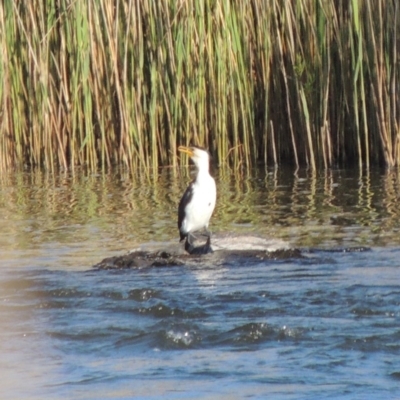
200,156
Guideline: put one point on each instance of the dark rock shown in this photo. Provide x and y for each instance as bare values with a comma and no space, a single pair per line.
143,259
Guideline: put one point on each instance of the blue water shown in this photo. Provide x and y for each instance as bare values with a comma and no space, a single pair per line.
323,327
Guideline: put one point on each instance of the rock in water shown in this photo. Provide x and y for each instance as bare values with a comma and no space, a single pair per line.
227,248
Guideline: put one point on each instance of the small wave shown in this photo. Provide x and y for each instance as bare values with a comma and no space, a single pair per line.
139,295
252,333
162,310
181,338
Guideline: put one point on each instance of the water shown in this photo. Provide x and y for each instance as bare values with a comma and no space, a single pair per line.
322,327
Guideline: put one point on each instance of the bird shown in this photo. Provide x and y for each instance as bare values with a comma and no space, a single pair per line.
198,201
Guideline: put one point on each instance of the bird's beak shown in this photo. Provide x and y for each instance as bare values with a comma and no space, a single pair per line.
186,150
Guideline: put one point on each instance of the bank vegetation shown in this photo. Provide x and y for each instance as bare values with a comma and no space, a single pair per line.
98,83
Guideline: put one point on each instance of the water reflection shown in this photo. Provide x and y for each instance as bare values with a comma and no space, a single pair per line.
115,211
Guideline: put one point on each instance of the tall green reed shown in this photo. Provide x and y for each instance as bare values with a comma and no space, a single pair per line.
98,84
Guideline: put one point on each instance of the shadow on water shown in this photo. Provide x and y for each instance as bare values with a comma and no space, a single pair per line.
319,322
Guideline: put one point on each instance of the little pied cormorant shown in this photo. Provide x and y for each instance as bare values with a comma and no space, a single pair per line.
198,202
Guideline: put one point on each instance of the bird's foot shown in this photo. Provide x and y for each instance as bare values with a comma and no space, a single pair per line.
198,250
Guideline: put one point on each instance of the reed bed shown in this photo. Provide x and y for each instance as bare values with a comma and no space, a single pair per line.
98,83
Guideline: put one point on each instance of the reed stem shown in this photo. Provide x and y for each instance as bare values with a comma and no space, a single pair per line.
95,84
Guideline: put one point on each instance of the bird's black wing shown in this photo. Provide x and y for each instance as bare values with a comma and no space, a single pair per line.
185,200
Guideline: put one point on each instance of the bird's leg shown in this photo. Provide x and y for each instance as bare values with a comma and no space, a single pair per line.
189,243
206,233
188,247
190,238
193,237
207,246
192,249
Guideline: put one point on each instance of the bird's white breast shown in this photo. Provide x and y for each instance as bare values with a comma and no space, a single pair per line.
199,210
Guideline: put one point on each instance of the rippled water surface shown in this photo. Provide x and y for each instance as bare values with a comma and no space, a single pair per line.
323,326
